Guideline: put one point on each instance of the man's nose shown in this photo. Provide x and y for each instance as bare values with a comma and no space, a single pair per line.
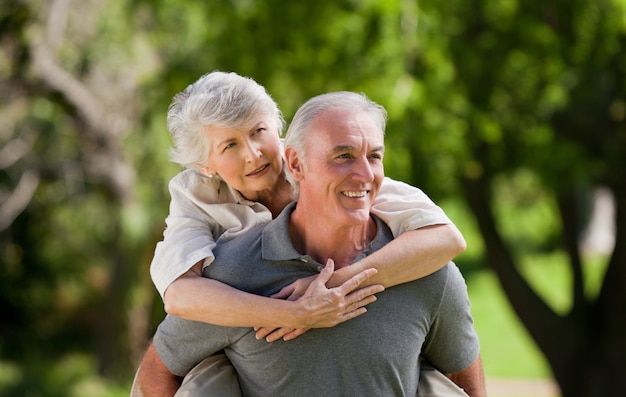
362,170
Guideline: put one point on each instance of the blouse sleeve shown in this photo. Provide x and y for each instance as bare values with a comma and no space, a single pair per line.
404,207
190,232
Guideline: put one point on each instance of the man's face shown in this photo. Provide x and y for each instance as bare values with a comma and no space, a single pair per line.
343,165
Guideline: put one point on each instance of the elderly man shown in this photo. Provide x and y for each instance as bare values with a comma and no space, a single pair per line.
334,150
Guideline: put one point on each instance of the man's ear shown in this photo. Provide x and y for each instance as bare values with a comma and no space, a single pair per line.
294,164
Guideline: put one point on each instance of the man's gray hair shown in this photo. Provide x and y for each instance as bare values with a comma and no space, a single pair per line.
225,100
299,128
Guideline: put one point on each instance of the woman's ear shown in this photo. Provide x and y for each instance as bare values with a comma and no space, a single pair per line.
206,170
294,163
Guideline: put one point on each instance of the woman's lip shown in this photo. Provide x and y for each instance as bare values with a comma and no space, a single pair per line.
259,171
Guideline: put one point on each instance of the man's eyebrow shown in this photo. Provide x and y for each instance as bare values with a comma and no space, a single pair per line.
349,148
342,148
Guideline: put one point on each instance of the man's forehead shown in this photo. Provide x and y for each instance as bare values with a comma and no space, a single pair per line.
339,122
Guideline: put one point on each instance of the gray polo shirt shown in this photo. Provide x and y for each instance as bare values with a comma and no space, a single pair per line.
376,354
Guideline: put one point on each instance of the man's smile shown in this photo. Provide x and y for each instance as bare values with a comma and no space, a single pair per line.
355,193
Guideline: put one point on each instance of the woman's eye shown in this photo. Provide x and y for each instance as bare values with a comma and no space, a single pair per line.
229,146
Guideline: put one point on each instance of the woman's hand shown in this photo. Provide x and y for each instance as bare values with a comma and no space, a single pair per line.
321,307
297,289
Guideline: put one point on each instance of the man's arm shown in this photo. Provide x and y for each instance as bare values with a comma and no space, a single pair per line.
471,379
153,377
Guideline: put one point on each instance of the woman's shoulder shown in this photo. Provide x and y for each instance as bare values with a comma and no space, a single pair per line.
194,185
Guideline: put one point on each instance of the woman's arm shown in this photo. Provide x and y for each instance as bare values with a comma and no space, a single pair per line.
425,238
194,297
202,208
412,255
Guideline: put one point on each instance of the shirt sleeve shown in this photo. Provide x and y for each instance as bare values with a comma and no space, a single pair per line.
404,207
452,343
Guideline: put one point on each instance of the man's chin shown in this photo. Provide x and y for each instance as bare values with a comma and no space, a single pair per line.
357,216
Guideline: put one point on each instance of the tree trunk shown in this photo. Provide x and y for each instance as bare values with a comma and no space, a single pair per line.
586,348
594,370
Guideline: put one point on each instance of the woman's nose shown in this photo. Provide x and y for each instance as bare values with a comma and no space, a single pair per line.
253,151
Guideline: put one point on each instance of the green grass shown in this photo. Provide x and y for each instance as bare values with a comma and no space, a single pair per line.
507,349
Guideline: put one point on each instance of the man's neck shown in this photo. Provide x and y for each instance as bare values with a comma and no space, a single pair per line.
318,238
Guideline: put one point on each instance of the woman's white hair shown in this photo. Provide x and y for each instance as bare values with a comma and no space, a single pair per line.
299,128
220,99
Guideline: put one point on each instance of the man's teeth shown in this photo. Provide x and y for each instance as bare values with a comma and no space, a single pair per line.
355,194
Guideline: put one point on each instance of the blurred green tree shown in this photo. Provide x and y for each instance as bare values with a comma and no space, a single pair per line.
539,91
504,103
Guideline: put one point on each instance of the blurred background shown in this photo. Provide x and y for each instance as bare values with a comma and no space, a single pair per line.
510,114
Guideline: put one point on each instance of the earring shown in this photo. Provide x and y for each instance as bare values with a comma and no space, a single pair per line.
206,171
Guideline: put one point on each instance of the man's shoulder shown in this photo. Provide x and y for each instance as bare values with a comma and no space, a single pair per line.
442,284
445,285
242,243
448,274
236,258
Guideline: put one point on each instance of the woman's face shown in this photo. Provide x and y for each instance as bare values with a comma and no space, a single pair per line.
248,158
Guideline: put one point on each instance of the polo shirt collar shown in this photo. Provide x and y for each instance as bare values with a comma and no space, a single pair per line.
276,244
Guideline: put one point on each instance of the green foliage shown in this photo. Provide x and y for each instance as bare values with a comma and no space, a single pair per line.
70,376
529,95
528,215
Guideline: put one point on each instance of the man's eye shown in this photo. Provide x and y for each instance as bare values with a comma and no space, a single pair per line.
344,156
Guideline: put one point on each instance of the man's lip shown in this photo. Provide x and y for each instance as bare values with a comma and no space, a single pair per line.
258,170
